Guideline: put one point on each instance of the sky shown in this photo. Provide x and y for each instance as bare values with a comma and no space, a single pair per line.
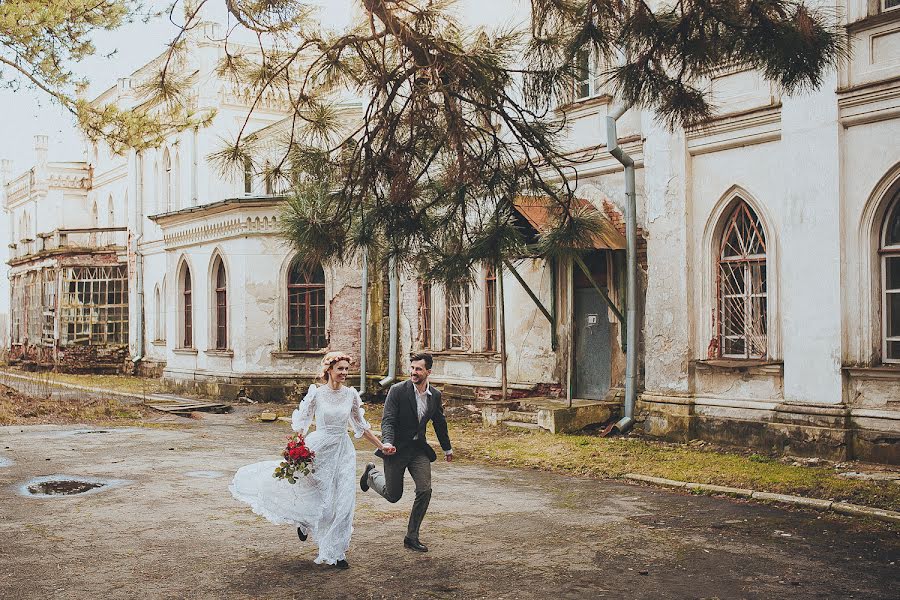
27,112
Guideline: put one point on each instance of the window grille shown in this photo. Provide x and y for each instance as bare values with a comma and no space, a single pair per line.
18,310
306,308
49,307
94,306
742,286
890,253
34,310
459,333
490,310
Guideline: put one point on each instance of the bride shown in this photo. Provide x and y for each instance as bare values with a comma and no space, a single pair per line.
320,504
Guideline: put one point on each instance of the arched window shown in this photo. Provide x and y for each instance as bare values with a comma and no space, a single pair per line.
95,215
163,312
157,314
742,312
167,182
110,212
175,183
187,305
306,307
269,179
221,317
248,175
890,256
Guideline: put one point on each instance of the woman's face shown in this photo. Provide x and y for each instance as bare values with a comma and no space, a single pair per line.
338,371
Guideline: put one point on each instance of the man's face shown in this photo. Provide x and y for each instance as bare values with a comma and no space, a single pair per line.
417,371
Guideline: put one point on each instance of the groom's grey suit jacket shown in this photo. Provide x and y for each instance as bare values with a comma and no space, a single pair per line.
400,422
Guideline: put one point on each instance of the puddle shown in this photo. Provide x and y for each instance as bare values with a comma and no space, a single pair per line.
85,432
205,474
53,486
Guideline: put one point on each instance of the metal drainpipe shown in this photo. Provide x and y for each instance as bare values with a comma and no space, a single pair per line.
363,322
139,260
394,317
631,349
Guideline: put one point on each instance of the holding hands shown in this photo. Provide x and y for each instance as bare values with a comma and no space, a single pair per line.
388,449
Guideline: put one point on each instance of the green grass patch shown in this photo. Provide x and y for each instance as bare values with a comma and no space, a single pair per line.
610,458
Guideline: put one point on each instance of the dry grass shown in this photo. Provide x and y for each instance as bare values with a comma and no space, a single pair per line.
21,409
593,456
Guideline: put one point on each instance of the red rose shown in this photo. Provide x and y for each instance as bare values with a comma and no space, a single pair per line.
295,453
304,452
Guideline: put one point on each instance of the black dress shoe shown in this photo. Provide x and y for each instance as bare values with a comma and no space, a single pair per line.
364,480
301,535
415,545
342,564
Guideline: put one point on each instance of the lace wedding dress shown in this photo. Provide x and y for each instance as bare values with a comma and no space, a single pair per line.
321,503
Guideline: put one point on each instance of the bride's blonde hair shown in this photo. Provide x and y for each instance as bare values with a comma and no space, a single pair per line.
329,360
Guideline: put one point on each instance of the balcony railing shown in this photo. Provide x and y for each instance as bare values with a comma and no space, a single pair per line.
90,238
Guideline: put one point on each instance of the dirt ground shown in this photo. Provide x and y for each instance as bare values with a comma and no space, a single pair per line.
172,530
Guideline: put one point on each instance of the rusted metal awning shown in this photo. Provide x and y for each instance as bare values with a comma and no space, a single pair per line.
539,211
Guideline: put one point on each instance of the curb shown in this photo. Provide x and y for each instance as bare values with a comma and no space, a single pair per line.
844,508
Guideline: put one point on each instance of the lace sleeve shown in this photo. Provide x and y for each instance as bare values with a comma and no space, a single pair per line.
357,416
303,415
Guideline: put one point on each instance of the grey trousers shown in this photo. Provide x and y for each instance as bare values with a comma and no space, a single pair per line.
390,485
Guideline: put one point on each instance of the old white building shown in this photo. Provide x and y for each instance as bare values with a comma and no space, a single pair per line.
769,252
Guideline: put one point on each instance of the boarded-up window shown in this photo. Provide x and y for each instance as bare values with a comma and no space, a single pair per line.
890,252
306,307
459,330
742,286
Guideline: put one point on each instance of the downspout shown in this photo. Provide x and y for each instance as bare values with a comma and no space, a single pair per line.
363,321
631,347
393,323
139,260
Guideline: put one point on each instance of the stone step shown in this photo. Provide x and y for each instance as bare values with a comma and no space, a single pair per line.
521,416
521,425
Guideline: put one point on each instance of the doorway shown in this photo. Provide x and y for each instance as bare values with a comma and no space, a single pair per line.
592,330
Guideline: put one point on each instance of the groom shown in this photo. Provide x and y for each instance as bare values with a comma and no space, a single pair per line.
408,408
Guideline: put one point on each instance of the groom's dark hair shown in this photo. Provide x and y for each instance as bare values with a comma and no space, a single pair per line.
429,360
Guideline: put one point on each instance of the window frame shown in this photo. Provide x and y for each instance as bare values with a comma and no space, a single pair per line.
187,308
426,312
464,335
301,293
221,305
490,310
888,252
743,264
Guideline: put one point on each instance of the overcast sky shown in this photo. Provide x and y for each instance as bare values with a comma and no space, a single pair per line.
27,113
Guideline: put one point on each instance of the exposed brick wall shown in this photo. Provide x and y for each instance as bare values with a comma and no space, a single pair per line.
344,321
618,220
92,359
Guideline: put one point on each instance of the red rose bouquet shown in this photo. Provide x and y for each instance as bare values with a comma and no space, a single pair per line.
297,460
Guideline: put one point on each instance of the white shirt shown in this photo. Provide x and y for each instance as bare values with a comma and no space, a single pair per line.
422,406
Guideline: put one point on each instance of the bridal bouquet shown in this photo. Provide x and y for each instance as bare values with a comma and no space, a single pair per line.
297,460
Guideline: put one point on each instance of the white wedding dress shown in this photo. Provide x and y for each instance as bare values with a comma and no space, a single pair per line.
321,503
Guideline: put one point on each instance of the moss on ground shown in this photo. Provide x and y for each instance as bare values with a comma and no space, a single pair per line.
593,456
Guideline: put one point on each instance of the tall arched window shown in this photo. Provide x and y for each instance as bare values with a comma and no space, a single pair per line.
157,314
269,179
187,305
248,175
175,182
110,212
459,323
742,312
163,312
890,256
167,182
221,317
306,307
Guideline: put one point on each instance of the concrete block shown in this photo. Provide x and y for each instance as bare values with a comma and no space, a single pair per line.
816,503
855,510
721,489
656,480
